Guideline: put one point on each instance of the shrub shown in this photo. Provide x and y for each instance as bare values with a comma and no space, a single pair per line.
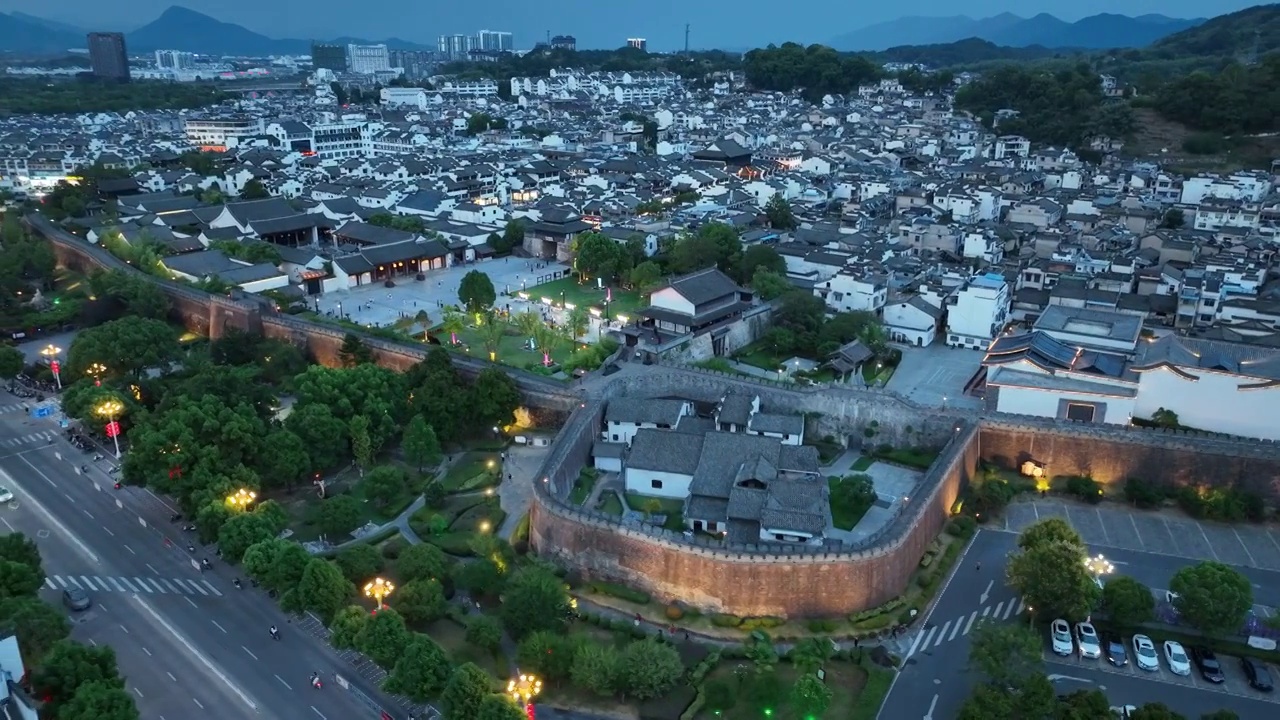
988,498
823,626
884,609
1144,493
392,549
1085,488
622,592
674,612
762,623
725,621
962,526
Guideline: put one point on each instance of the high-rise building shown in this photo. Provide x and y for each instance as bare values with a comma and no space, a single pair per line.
457,47
638,43
564,42
494,41
329,57
107,55
175,60
416,64
368,59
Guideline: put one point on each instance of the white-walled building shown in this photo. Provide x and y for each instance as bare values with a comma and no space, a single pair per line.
404,97
368,59
849,290
625,417
978,312
912,322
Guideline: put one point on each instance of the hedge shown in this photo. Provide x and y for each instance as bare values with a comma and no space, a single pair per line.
725,621
884,609
622,592
761,623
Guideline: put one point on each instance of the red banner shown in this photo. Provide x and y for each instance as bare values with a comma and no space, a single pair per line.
113,429
54,367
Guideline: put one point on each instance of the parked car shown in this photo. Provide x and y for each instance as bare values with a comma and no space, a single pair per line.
1259,676
1087,640
1060,634
1113,646
76,599
1177,658
1144,654
1207,663
5,495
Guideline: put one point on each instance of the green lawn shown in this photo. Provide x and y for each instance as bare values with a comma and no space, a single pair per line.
760,697
610,504
847,509
673,509
625,302
511,349
475,471
862,463
453,527
918,458
301,505
583,485
757,355
452,637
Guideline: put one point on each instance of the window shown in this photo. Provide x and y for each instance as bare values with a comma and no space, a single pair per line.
615,437
1080,413
655,484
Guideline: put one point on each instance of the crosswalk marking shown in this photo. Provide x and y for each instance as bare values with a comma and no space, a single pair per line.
972,616
132,584
942,636
1008,611
986,611
933,636
37,437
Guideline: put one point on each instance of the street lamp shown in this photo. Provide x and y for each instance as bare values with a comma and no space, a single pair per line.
97,370
51,353
1098,566
378,589
523,690
110,409
242,499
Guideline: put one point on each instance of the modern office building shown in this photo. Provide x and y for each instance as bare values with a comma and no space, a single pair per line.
494,41
368,59
175,60
456,47
638,43
564,42
416,64
107,56
329,57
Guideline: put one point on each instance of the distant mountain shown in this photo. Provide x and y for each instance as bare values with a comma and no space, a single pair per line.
969,51
18,34
1094,32
177,28
1235,35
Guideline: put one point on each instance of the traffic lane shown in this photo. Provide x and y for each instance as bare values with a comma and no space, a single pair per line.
1156,571
978,579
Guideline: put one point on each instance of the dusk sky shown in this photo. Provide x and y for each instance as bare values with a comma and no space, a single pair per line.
735,24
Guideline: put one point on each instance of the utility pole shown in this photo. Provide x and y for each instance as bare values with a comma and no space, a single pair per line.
686,38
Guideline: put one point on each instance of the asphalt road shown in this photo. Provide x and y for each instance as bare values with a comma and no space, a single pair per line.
121,551
935,680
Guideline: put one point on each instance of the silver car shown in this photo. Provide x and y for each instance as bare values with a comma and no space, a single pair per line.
1144,654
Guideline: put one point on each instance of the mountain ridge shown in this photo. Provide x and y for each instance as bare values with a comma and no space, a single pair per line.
1096,32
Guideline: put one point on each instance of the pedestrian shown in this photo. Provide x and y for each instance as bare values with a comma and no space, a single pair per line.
979,565
857,641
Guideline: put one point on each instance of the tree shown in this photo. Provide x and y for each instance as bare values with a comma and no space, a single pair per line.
277,564
288,462
1165,418
323,435
1006,654
1053,580
17,547
347,625
383,638
467,688
99,701
599,256
421,601
18,580
1047,532
239,533
534,599
1173,219
779,213
476,292
645,276
354,351
37,624
453,322
358,563
770,285
549,655
68,665
810,697
714,244
757,258
512,236
596,668
338,515
1083,705
422,562
11,362
422,671
1127,602
481,577
811,654
648,668
495,397
578,321
420,445
484,632
1218,715
322,589
1155,711
499,707
124,347
385,484
493,327
1214,598
254,190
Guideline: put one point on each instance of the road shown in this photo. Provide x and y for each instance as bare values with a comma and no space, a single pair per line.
935,680
160,607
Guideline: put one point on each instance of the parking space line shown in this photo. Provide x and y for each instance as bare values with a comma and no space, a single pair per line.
1204,535
942,636
972,616
1134,523
1248,554
1273,538
1106,536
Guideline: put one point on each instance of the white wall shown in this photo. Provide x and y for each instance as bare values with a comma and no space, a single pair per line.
669,299
673,486
1215,402
1044,403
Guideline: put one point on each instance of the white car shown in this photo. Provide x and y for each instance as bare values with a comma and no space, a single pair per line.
1144,653
1087,639
1177,658
5,495
1060,634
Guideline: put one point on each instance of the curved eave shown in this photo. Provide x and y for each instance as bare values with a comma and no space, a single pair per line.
1170,367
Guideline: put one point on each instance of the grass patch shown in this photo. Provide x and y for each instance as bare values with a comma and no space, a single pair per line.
583,485
475,471
425,522
301,505
758,355
919,458
862,463
827,451
756,693
511,348
456,525
866,706
610,504
452,636
625,302
673,509
850,497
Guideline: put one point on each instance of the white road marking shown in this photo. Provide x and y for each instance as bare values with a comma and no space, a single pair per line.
197,702
942,635
152,569
215,624
126,547
113,581
212,589
986,611
168,585
1008,611
932,705
137,692
126,630
255,657
972,616
322,717
49,582
148,652
73,500
86,512
184,597
171,677
955,631
107,531
197,654
43,511
131,586
995,614
282,682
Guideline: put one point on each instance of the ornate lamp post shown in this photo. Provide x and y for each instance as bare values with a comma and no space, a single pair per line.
110,409
96,371
378,589
523,689
51,352
1099,566
242,499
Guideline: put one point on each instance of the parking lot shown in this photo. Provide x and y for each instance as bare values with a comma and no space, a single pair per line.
1160,533
1235,684
936,375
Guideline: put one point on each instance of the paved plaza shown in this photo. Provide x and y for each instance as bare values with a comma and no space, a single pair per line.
936,375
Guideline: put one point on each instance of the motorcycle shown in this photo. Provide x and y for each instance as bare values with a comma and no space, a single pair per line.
236,582
315,682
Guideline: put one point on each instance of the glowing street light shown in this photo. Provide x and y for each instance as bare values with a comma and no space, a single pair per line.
96,371
523,690
242,499
110,409
1098,566
51,353
378,589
